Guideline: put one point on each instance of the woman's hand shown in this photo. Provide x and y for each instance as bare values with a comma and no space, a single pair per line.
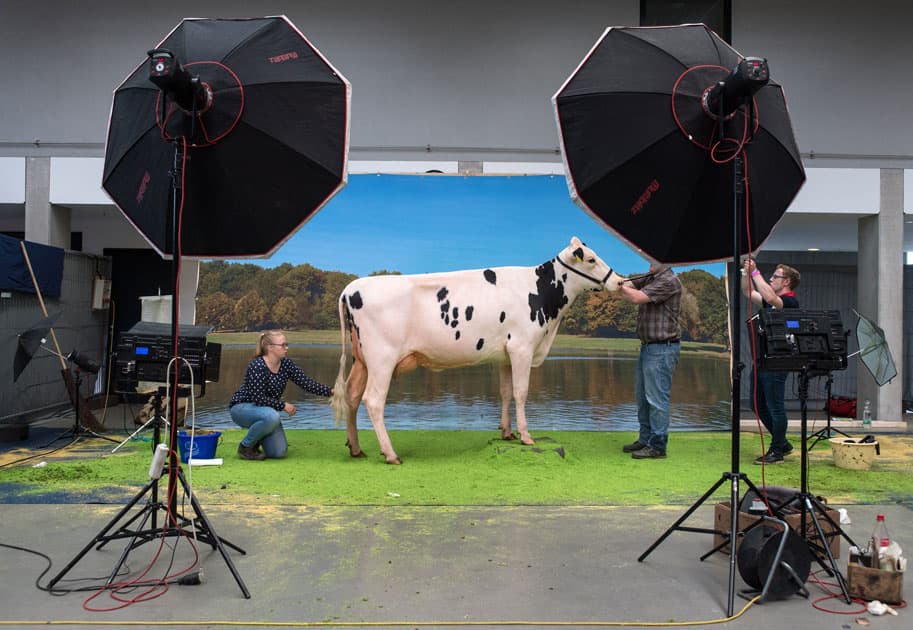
289,409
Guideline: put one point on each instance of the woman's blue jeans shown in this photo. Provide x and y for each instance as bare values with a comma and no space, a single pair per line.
263,428
652,387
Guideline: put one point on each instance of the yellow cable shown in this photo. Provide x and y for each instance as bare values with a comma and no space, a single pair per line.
380,624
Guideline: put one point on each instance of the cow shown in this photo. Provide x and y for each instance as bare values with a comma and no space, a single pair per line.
508,315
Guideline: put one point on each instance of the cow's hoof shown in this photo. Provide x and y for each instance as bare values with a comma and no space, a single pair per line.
353,453
528,441
509,436
396,461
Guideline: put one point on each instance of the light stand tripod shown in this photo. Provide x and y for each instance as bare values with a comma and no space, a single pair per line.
144,526
174,522
810,506
733,477
78,430
828,431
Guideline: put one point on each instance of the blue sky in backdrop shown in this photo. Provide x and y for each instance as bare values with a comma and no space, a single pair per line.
427,223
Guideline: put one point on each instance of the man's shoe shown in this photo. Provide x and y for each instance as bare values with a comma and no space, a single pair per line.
788,449
633,446
648,453
250,452
772,457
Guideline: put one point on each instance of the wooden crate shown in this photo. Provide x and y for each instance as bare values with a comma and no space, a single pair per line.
869,584
722,514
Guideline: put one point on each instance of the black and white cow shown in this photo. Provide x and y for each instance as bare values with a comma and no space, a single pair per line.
442,320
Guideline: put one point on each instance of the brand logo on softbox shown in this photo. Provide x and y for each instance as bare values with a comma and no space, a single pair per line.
644,198
283,57
143,185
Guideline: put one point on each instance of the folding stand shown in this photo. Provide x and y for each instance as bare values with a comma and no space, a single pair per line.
828,431
143,526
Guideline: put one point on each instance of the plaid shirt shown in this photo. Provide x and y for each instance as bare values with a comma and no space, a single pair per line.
658,319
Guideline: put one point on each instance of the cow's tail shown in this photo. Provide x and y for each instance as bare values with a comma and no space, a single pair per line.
338,402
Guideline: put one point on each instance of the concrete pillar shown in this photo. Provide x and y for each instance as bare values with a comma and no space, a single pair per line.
44,223
880,292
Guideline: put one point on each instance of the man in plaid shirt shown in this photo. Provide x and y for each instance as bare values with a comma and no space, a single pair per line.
658,296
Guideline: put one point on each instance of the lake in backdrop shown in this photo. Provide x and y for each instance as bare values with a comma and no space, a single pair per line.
571,391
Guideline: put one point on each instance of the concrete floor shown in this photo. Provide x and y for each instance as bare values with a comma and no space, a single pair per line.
413,567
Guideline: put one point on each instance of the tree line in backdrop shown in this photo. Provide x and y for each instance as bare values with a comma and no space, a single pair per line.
245,296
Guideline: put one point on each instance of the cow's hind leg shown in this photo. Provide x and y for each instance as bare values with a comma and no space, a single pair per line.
506,390
378,384
355,389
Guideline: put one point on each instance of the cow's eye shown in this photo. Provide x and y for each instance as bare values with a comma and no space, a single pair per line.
592,260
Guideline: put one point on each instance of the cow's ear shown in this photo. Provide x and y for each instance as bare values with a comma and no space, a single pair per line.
578,254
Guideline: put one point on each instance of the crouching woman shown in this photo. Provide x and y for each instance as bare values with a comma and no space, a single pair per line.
257,405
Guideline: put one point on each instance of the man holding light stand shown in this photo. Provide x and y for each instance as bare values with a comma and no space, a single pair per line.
768,389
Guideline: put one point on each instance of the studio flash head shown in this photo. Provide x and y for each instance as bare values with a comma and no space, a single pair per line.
167,72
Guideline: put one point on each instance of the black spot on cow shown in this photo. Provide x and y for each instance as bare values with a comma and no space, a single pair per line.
446,318
550,298
508,336
503,316
355,300
457,336
454,324
456,312
442,294
491,276
445,306
480,343
469,310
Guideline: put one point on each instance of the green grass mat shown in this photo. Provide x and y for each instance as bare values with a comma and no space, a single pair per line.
462,468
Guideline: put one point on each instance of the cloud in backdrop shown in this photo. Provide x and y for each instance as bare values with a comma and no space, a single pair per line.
428,223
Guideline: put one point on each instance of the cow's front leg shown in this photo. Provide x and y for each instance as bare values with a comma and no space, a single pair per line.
374,399
507,390
520,367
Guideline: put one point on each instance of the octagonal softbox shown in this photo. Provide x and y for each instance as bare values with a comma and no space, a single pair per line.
265,152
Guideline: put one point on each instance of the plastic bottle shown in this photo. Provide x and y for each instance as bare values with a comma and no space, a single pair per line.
867,414
880,540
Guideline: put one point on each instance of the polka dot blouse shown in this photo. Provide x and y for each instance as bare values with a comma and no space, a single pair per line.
263,387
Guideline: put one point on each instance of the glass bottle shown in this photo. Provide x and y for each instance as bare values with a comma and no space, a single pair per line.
867,414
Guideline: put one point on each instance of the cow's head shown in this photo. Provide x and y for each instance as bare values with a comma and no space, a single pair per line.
583,261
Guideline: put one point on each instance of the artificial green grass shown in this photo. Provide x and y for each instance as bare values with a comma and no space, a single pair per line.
465,468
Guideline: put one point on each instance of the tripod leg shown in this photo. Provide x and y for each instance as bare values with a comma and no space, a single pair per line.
811,508
101,537
146,513
198,510
682,519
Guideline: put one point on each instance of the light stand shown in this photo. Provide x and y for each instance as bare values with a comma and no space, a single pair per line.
82,363
162,66
810,506
751,75
828,431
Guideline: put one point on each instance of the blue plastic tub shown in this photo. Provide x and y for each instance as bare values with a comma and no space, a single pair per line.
204,445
